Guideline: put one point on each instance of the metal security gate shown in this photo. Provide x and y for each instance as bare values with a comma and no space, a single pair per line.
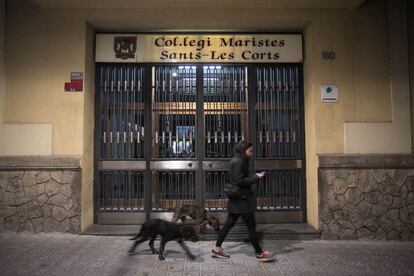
165,134
279,137
121,126
173,136
225,123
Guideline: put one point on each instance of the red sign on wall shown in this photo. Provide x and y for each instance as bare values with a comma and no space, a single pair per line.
76,82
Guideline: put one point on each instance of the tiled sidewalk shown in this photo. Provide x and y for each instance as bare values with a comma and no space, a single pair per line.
64,254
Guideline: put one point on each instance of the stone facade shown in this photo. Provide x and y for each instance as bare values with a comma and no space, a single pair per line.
366,200
40,200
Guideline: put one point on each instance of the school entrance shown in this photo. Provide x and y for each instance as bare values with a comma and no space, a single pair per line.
165,133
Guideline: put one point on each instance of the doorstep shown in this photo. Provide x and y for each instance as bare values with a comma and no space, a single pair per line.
271,231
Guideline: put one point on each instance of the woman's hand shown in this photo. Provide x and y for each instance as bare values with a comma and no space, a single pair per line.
260,174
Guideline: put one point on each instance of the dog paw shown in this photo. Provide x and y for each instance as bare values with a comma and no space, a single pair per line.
192,257
161,258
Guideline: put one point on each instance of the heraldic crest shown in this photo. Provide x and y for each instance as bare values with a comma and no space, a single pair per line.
125,46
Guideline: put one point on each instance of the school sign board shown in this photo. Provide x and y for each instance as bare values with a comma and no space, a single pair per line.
203,48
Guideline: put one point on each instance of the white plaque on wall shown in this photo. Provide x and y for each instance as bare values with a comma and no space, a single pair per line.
329,93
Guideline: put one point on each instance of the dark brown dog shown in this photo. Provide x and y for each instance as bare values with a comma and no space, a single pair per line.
198,214
168,231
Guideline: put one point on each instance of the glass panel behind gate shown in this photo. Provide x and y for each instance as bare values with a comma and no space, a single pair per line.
174,110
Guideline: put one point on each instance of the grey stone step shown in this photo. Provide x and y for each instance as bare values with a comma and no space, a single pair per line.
274,231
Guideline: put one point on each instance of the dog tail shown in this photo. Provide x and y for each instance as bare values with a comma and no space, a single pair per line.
139,234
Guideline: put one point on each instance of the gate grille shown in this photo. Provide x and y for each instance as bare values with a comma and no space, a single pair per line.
121,112
225,109
215,198
121,190
277,117
170,189
280,189
277,112
185,100
174,125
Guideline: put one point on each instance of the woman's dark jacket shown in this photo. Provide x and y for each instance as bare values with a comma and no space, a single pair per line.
238,174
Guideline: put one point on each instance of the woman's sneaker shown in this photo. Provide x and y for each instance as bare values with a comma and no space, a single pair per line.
219,253
265,256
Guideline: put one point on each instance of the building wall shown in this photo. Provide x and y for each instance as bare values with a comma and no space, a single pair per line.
410,19
369,197
43,48
44,45
88,128
361,137
40,194
2,30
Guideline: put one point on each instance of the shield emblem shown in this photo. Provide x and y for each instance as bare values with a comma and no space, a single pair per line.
125,46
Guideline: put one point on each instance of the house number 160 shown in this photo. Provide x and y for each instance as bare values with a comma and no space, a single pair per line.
326,55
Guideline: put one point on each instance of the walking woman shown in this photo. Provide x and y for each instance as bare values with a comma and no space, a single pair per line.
244,203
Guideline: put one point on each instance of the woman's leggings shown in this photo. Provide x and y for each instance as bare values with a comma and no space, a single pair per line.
250,221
